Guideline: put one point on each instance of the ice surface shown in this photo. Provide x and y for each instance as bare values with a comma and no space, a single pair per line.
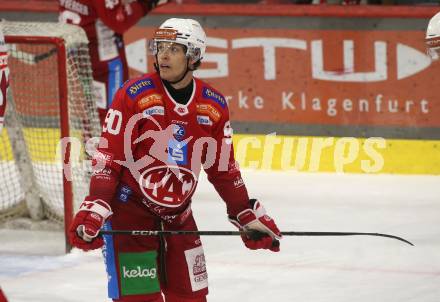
33,267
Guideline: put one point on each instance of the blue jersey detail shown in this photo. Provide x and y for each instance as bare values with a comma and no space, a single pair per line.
177,152
124,193
178,132
139,86
108,252
115,79
216,97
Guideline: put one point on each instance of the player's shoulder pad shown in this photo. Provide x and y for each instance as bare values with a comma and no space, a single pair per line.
137,86
211,94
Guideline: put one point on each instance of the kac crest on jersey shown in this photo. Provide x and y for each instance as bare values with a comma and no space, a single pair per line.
164,187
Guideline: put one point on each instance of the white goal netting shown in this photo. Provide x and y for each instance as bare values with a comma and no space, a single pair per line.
41,58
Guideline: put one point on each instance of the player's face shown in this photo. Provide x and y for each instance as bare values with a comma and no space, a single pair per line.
171,60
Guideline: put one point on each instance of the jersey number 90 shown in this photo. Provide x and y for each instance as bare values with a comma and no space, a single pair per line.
112,122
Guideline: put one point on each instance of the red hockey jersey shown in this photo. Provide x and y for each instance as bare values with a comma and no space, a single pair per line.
156,147
4,77
104,22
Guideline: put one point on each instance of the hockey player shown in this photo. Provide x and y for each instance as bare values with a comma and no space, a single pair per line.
104,22
2,296
161,129
4,76
433,37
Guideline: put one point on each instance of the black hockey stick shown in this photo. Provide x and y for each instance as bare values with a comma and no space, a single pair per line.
30,58
253,235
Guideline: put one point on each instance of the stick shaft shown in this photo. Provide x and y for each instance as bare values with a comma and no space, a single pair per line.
238,233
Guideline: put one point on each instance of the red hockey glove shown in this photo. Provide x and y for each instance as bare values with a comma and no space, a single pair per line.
86,224
2,297
262,232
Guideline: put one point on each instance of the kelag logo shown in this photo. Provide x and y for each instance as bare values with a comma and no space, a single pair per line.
138,273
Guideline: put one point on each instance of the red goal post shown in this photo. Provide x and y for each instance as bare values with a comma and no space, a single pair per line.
50,101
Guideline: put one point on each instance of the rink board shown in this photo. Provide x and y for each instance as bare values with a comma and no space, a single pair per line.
300,153
42,144
338,154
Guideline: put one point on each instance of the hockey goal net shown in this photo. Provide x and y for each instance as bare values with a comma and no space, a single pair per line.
49,98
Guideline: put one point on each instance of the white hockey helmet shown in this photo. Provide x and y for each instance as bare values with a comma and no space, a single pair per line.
187,32
433,37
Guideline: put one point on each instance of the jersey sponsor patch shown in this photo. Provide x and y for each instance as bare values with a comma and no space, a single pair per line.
177,152
204,120
181,109
138,87
150,101
138,273
206,109
183,123
178,132
215,96
156,110
124,193
238,182
101,159
162,212
195,259
102,173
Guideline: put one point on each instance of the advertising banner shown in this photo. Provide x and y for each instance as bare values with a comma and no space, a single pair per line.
362,101
327,77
